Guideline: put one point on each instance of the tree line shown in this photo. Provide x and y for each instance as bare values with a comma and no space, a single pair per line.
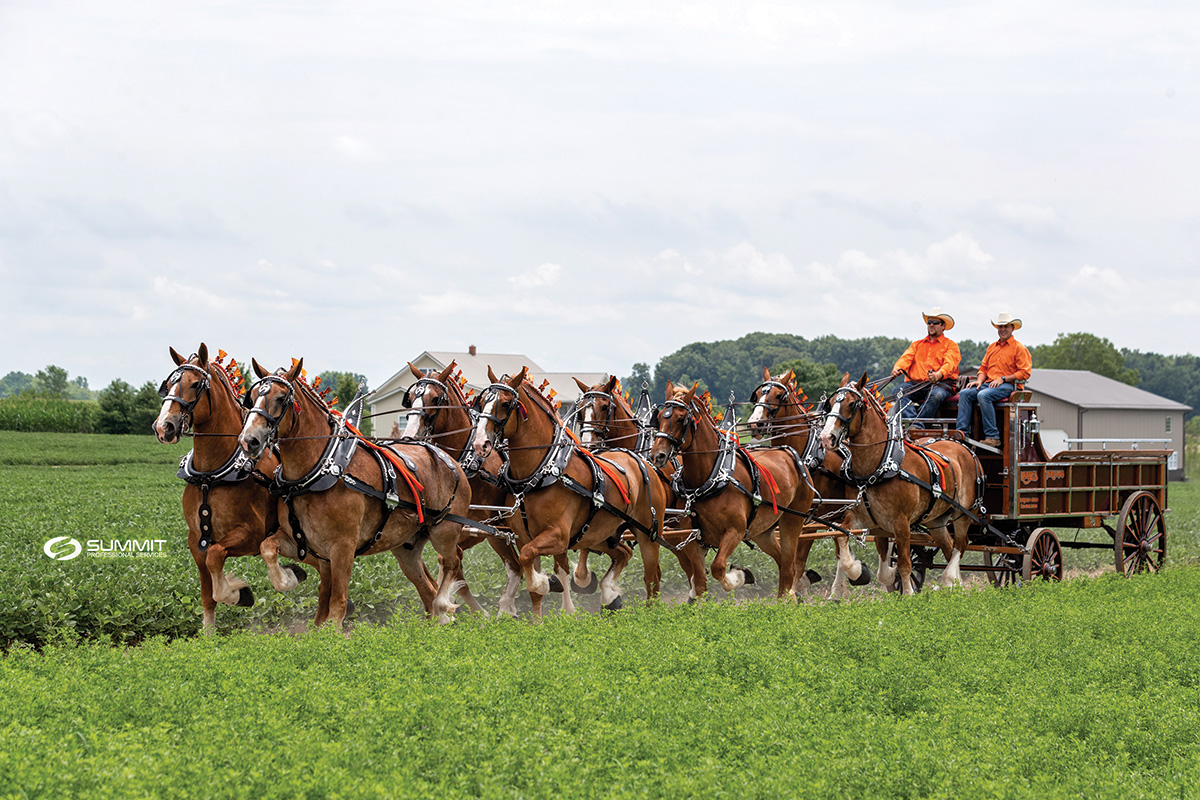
53,401
736,365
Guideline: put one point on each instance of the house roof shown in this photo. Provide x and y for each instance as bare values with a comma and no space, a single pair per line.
1088,390
475,370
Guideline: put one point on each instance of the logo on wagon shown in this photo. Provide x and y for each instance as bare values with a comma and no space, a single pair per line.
63,548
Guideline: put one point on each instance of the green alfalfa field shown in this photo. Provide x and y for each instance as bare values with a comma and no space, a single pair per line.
1088,688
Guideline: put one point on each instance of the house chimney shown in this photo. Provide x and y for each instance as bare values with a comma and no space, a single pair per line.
471,349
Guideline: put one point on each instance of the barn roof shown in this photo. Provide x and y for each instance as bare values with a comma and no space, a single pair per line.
1088,390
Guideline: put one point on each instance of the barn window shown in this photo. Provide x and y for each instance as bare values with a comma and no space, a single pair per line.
1168,423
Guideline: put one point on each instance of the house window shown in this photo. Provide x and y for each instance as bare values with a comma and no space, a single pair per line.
1168,423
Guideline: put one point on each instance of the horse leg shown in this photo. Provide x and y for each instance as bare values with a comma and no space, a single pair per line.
583,578
732,578
562,571
444,538
941,537
408,556
229,589
284,580
803,580
341,563
512,571
849,568
887,573
206,592
610,591
783,552
903,536
651,570
547,542
324,589
691,558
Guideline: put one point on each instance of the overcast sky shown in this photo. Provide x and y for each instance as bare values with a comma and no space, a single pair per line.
590,184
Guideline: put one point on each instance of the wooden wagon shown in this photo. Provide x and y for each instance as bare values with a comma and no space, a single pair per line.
1031,499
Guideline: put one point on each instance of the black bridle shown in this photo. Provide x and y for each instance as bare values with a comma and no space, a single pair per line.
176,379
261,389
844,417
666,412
589,399
768,412
429,413
499,425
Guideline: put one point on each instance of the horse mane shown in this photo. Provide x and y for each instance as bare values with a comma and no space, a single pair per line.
548,403
315,393
229,374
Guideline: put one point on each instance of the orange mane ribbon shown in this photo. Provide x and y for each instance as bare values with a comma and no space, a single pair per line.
414,485
770,479
602,464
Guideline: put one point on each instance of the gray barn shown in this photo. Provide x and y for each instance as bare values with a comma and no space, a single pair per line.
1079,405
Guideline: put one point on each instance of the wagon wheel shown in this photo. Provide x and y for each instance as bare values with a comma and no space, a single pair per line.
1043,556
1140,542
1004,569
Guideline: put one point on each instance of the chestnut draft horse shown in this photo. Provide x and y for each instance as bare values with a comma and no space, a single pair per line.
226,505
731,494
437,411
608,422
570,497
936,485
345,501
781,418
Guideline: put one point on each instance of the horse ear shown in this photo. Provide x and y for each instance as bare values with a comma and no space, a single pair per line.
491,375
863,380
612,384
766,374
259,370
691,393
787,377
583,387
515,381
415,371
444,374
845,379
202,354
296,371
670,389
178,359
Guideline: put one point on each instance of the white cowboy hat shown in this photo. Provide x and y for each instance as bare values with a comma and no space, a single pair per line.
1006,318
937,313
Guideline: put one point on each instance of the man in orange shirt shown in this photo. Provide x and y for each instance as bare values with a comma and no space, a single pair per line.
930,366
1007,361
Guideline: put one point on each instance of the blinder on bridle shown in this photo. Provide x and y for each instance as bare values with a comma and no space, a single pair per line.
846,411
665,412
176,379
590,398
261,389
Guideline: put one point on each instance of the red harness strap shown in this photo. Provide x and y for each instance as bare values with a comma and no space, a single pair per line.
766,474
414,485
936,456
602,464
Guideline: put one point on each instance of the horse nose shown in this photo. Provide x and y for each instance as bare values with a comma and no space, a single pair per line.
249,443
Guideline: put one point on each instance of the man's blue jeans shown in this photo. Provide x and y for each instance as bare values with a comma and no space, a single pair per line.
987,397
932,396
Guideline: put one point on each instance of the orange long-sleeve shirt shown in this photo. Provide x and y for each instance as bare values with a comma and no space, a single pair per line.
1009,359
940,355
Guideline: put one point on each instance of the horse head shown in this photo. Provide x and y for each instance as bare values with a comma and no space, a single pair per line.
270,400
181,392
500,412
674,424
846,413
601,414
771,396
425,401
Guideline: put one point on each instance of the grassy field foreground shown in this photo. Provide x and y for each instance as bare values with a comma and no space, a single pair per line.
1089,688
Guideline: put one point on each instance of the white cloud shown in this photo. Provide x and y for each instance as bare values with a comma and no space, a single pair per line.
543,275
1093,278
